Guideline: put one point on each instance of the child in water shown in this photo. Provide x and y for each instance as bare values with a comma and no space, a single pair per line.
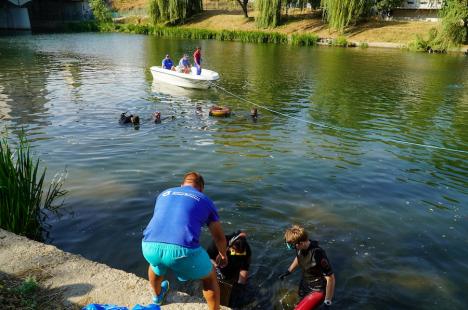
317,285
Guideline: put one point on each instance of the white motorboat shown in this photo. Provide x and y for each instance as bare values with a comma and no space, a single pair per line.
188,80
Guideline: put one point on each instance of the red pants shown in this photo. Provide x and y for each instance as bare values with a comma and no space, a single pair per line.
311,301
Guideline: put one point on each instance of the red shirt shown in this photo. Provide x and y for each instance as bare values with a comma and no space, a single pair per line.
197,56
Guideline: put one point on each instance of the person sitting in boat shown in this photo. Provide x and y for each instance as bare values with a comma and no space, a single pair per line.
184,65
167,63
236,272
317,285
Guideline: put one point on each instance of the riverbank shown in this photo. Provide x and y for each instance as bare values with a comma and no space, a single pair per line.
373,33
70,281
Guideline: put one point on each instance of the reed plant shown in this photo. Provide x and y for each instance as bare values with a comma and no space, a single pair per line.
25,199
340,41
222,35
306,39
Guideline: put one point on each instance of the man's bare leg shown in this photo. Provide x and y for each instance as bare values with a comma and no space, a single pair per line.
211,291
155,281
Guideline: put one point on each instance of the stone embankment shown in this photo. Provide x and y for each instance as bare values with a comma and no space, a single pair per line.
78,280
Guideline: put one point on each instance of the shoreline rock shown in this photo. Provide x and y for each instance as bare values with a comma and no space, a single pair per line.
79,280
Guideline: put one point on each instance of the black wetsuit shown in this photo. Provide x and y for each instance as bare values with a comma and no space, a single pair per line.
236,261
315,266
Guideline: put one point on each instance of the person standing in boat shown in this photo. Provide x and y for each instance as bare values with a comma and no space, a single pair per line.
184,64
167,63
197,60
317,285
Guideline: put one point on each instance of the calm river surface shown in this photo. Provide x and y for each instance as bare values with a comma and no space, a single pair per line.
392,216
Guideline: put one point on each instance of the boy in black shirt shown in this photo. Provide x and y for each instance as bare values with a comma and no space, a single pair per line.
318,281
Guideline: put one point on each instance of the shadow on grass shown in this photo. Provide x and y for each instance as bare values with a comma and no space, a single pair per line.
371,24
27,291
208,14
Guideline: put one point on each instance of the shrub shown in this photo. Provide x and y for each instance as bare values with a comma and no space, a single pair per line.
340,41
100,11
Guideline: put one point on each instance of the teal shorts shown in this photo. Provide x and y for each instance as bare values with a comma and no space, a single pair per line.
186,263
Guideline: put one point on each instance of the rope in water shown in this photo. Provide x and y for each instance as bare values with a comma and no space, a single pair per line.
337,128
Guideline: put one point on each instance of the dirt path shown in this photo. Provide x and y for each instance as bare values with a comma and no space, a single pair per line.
77,281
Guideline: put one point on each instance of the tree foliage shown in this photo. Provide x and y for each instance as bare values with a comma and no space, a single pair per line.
454,16
340,13
269,13
100,11
173,11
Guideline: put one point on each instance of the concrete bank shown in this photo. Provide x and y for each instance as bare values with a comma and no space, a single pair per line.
78,280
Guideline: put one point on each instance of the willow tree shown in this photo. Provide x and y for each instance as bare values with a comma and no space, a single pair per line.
268,13
173,11
454,15
340,13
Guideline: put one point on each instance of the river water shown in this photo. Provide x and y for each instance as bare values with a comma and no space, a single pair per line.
344,157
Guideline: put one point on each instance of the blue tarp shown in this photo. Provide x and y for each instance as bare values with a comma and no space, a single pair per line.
114,307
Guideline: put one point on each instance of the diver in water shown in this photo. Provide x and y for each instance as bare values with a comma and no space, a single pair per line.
127,119
254,113
236,272
157,117
317,285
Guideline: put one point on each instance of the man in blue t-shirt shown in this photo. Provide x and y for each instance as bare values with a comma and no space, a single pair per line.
167,63
171,239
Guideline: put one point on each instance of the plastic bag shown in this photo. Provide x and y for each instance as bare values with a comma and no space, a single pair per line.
148,307
104,307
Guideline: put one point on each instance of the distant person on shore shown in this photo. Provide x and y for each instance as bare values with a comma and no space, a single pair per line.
317,285
171,239
184,64
197,60
167,63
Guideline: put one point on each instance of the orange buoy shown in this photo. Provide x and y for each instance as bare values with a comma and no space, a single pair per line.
220,111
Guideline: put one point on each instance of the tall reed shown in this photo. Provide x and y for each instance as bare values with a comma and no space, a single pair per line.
24,198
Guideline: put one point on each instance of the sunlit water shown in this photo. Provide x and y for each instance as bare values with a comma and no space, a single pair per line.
392,216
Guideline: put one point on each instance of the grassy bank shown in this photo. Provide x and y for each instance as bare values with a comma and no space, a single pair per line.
305,39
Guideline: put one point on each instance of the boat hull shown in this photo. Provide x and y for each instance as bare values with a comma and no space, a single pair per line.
191,80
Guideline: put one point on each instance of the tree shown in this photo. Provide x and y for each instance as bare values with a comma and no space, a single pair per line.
340,13
269,13
243,4
454,16
173,11
100,11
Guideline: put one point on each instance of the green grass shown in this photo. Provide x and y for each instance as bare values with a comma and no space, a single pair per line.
222,35
304,39
24,197
340,41
21,294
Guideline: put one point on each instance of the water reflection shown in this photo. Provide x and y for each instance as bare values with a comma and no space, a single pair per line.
25,89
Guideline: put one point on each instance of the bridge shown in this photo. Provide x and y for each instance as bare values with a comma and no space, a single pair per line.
41,14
